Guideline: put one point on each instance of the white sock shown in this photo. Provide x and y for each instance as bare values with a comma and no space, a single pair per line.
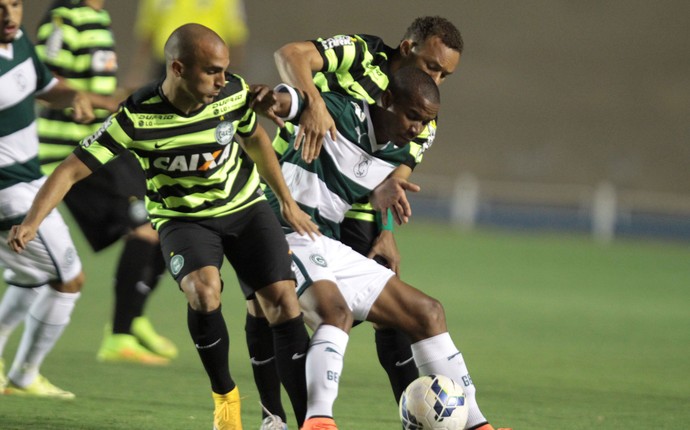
323,367
13,308
45,322
438,355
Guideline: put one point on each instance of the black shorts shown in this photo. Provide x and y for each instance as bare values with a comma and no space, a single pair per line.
358,235
252,241
109,203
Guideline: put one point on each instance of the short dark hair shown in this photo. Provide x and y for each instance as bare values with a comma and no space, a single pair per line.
426,26
408,82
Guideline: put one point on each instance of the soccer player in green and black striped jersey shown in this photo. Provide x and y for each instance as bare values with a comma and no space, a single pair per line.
202,151
76,42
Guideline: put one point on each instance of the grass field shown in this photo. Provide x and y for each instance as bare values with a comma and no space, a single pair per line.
558,332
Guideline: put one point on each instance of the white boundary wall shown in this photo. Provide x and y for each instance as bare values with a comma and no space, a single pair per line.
604,204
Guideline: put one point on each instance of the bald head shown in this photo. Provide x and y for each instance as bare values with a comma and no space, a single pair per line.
188,40
197,60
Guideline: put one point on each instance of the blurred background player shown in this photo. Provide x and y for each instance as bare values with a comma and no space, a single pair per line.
45,281
156,20
76,42
359,66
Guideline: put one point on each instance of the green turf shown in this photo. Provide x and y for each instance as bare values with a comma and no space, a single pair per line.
558,332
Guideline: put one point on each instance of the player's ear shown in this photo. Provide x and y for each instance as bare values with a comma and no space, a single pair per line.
386,99
406,47
177,67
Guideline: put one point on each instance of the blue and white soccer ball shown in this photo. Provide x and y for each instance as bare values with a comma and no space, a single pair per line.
433,402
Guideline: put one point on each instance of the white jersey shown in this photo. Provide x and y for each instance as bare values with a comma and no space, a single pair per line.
51,257
347,169
22,76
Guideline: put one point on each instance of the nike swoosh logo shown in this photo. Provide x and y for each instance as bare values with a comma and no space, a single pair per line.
159,145
256,362
402,363
329,349
207,346
453,356
297,356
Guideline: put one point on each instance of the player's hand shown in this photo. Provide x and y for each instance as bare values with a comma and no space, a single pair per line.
314,123
20,236
263,101
82,108
300,221
385,246
391,194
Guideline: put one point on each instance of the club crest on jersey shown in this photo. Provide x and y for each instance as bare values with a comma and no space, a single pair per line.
224,132
20,80
176,264
362,167
318,260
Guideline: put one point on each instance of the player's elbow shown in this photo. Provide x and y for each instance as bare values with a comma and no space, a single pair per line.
285,54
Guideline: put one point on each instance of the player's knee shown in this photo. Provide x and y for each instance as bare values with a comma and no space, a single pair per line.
203,292
431,317
337,314
278,302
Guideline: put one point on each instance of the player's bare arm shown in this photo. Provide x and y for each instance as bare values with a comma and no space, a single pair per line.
259,148
296,63
52,192
62,96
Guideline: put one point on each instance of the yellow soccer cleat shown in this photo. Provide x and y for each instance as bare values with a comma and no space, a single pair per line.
226,415
125,348
40,387
143,330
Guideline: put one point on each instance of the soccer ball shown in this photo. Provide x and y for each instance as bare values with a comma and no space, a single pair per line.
433,402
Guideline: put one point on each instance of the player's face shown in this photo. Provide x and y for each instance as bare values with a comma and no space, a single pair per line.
407,118
204,77
11,12
433,57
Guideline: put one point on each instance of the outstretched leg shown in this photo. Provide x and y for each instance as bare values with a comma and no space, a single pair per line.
423,319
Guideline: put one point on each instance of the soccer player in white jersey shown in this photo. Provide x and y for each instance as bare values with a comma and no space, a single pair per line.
337,284
44,282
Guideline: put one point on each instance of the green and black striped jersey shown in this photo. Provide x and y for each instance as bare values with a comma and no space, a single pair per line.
77,44
22,76
358,65
346,170
194,166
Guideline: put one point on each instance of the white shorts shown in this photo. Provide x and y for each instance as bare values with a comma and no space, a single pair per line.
50,257
359,279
